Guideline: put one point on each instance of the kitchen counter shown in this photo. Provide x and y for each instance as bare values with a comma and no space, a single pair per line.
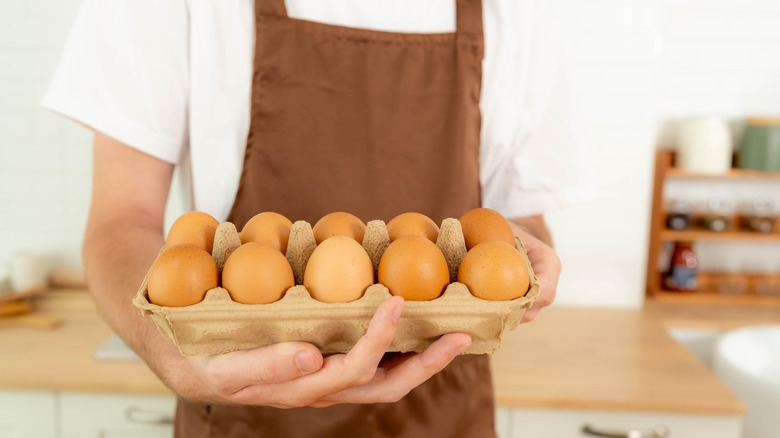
61,359
713,316
605,360
569,358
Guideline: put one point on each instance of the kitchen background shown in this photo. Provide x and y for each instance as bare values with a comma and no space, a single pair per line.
638,70
637,67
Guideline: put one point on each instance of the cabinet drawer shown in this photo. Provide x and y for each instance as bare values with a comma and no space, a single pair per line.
533,423
116,416
503,420
28,414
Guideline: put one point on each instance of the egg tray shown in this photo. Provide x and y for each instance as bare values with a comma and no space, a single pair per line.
219,325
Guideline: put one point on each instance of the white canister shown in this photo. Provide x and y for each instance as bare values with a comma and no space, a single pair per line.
28,271
705,145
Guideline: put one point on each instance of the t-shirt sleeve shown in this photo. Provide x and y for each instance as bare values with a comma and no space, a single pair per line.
539,165
124,72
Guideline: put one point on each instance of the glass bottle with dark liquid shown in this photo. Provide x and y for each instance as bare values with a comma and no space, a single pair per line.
682,272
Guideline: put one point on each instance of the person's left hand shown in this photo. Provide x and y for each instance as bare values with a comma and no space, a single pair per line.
547,267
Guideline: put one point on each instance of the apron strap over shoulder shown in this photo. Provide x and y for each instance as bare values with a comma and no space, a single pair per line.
274,8
469,13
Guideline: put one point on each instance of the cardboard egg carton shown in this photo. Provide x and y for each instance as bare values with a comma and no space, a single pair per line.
219,325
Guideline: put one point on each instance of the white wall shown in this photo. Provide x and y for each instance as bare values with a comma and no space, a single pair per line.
44,159
614,54
636,66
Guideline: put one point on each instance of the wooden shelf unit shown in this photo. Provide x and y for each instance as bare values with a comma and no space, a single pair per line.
724,236
733,174
708,290
665,296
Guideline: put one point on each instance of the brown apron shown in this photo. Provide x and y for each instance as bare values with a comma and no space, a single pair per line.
376,124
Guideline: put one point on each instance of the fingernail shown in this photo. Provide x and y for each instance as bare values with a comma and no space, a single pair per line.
464,345
397,313
306,361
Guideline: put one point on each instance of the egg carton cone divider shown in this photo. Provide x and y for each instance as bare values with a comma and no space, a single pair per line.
219,325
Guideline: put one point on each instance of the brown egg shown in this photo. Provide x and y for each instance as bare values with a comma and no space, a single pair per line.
267,228
494,271
195,228
414,268
339,224
257,274
339,270
412,224
483,225
181,276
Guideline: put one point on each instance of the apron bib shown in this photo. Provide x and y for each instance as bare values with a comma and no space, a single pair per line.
375,124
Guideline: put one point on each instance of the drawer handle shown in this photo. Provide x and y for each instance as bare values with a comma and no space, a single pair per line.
657,432
137,415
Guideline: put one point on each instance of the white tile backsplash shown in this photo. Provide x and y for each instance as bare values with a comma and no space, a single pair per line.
32,217
754,28
23,64
33,186
77,187
636,66
35,155
695,26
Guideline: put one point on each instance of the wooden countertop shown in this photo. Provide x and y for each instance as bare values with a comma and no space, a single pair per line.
61,359
569,358
602,359
714,316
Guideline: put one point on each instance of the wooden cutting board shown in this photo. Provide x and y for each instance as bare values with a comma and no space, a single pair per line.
15,307
15,295
19,313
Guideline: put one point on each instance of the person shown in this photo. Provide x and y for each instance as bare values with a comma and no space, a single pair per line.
306,107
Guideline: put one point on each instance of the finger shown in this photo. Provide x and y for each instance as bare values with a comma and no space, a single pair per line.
543,258
338,371
231,372
531,314
547,269
365,356
391,385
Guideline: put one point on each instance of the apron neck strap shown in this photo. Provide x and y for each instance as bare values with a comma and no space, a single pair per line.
469,13
275,8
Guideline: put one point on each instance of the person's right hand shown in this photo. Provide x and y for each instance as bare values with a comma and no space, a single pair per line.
294,374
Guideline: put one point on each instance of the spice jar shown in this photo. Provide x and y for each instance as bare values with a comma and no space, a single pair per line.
682,272
717,216
679,216
759,216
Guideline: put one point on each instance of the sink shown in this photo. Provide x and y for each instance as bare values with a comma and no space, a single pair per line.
747,360
114,349
700,342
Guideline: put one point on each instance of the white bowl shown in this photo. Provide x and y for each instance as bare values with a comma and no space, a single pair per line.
747,360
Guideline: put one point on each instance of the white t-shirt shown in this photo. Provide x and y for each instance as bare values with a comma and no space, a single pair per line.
173,79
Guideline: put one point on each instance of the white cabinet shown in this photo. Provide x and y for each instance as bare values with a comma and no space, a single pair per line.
31,414
542,423
28,414
503,422
87,415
